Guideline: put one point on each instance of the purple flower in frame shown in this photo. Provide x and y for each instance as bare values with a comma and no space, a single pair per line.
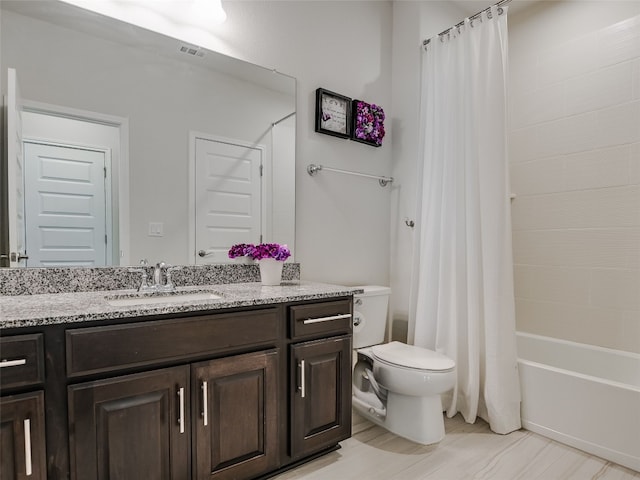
369,122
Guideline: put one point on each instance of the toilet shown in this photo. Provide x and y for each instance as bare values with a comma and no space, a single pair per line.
395,385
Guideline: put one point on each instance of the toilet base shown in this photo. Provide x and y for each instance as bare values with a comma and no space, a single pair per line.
418,419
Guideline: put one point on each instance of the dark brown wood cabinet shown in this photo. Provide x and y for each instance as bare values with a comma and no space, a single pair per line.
241,393
142,425
22,408
236,429
22,437
131,427
321,404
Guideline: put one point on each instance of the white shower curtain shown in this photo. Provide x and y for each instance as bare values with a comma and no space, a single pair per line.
462,302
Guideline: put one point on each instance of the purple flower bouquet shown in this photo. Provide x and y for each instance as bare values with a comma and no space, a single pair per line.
368,123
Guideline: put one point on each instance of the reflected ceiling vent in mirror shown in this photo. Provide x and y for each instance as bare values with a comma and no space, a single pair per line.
191,50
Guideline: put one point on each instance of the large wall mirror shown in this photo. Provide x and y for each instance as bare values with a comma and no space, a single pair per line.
135,145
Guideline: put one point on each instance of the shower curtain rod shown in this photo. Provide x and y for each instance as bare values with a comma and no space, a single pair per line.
472,17
282,119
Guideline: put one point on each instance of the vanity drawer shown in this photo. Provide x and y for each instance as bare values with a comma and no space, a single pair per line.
104,349
320,318
21,360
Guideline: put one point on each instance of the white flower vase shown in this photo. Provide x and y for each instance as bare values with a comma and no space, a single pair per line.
244,260
270,271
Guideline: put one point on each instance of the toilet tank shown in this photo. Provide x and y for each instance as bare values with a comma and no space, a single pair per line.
370,315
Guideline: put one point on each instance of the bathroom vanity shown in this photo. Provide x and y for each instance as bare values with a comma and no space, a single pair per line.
239,386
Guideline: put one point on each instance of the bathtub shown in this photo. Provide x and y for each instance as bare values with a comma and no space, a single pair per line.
583,396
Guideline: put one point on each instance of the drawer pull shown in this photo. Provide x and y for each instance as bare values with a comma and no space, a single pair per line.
205,406
181,417
326,319
302,382
13,363
28,467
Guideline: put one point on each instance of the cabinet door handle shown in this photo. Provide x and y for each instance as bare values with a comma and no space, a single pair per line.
302,382
181,417
326,319
205,404
28,466
13,363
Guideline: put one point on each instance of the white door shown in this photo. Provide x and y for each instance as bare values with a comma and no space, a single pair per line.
15,179
65,209
228,197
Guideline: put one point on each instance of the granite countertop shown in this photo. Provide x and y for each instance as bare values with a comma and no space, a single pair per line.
49,309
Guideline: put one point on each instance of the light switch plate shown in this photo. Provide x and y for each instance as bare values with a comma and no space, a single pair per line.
156,229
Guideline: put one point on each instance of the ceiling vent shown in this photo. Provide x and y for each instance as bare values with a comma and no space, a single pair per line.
191,50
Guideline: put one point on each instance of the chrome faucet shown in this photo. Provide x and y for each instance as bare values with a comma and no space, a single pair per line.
161,277
158,273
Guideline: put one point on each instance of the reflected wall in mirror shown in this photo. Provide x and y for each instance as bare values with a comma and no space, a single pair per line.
190,150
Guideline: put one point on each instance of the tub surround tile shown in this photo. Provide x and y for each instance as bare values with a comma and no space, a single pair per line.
57,308
36,281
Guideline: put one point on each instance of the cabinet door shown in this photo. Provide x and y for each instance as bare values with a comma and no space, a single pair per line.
236,432
22,437
321,403
131,427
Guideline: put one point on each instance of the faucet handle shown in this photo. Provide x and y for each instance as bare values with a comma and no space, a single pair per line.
169,283
144,284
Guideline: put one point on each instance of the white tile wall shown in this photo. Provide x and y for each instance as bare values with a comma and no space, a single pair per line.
599,168
599,89
591,248
575,168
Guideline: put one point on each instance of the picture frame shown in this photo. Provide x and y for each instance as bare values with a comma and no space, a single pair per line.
367,123
333,114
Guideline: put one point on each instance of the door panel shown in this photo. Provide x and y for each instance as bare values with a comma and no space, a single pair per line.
238,403
22,437
128,427
228,197
65,210
321,412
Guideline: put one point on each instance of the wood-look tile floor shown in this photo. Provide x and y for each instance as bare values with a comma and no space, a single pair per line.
467,452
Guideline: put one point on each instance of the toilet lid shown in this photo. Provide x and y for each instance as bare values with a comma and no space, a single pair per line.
411,356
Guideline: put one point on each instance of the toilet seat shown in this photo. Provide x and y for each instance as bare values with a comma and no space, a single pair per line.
400,354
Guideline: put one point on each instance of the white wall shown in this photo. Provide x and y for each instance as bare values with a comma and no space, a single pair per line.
575,167
163,100
342,222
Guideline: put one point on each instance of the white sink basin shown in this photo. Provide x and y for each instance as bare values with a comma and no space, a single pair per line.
151,299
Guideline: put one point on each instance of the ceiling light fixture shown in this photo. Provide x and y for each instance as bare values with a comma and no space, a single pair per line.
209,11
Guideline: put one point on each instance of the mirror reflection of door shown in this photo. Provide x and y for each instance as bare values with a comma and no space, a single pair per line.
15,182
66,208
74,190
229,196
